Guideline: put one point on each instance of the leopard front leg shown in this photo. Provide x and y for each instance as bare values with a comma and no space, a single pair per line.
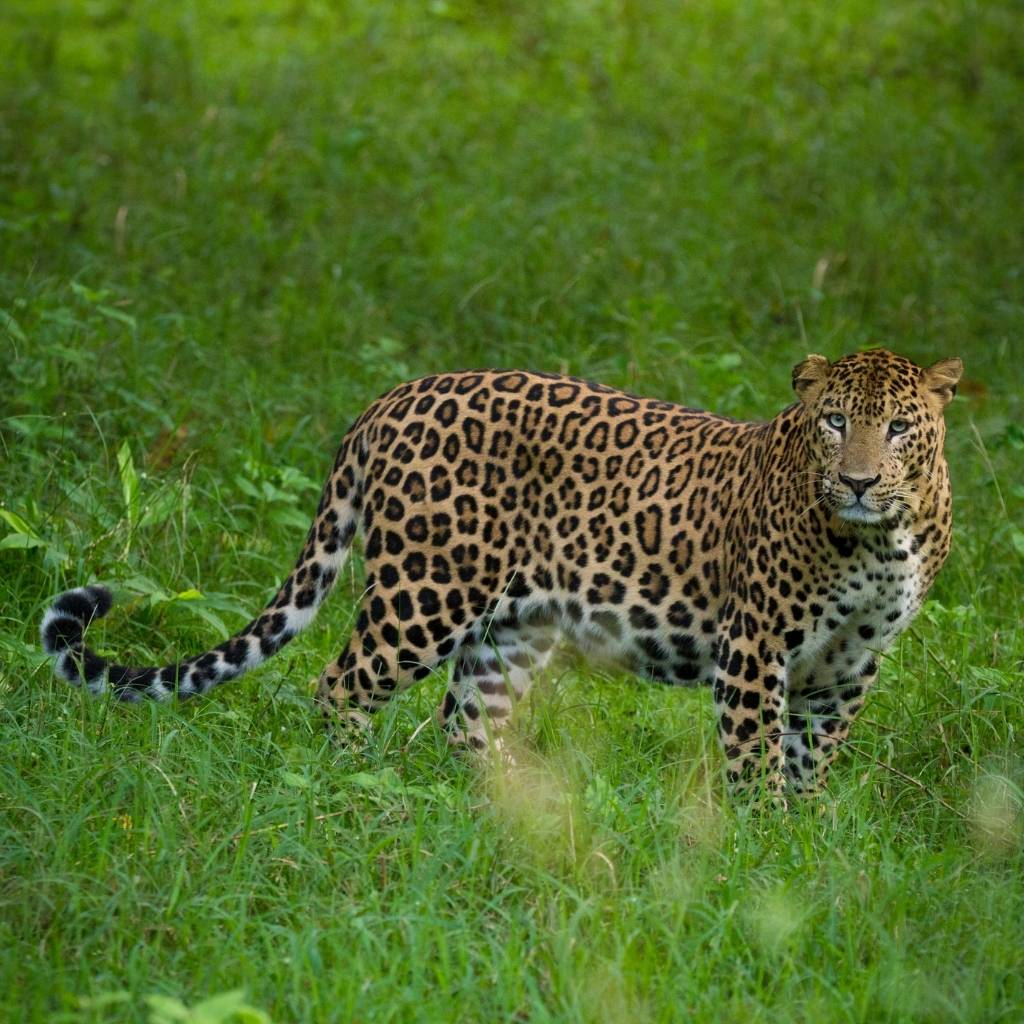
749,689
821,711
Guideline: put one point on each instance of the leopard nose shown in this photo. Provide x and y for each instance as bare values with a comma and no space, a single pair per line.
859,484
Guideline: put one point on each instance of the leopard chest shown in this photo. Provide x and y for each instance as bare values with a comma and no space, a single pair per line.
860,606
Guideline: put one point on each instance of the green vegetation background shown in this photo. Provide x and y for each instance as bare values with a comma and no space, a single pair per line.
224,228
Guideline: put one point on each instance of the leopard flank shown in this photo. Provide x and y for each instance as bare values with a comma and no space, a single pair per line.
500,511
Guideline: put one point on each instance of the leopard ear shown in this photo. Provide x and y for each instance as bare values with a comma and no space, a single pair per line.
809,377
941,379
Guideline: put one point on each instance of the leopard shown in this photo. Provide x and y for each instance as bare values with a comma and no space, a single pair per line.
506,513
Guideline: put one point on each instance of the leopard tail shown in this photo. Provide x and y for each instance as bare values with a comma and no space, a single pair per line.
290,610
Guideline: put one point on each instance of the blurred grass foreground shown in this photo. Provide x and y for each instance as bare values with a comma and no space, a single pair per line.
226,227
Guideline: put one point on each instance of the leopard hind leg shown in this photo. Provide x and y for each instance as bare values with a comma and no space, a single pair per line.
380,660
489,678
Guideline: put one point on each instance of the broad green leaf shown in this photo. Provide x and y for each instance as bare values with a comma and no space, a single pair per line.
129,482
161,507
62,316
116,314
387,779
69,354
199,608
1017,539
225,1008
143,586
90,295
15,522
246,487
11,326
225,603
22,541
103,1000
290,517
294,779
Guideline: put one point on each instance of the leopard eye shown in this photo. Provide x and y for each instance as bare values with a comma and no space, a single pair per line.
898,427
836,420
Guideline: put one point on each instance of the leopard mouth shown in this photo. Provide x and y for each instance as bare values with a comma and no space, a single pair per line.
859,513
882,510
851,509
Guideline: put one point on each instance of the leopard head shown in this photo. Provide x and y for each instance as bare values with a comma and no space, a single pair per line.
874,431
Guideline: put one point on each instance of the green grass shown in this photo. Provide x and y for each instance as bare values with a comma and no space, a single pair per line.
223,230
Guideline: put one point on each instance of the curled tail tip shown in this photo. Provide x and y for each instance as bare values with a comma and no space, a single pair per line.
66,619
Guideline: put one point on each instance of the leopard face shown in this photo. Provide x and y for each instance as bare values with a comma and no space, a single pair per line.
875,429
